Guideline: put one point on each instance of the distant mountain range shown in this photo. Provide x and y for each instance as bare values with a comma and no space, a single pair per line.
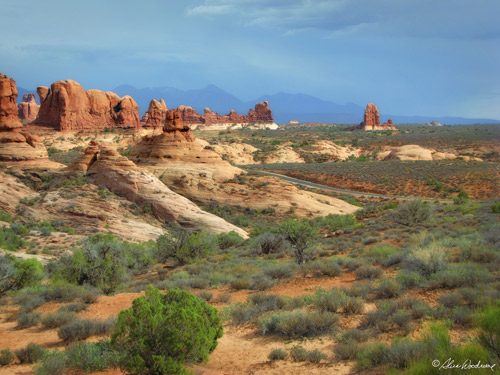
285,107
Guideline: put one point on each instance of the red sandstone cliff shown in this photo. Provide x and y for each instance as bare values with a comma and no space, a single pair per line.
372,120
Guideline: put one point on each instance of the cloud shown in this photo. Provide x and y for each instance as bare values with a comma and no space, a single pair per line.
416,18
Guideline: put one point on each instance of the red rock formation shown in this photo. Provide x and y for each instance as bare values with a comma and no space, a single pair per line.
155,115
8,107
262,114
68,107
372,120
28,108
15,144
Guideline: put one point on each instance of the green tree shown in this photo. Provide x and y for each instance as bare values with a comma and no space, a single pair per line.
184,246
489,323
161,333
17,274
301,235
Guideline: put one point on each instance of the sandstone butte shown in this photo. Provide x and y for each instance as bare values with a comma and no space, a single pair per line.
372,120
107,167
261,115
66,106
28,108
15,143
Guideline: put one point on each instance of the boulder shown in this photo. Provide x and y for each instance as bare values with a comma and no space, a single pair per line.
66,106
28,108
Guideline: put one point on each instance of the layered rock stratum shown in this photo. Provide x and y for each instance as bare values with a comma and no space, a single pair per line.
66,106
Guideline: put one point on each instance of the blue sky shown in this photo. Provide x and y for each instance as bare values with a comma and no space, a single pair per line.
411,57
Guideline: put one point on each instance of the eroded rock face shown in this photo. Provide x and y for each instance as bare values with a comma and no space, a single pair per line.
8,107
15,144
261,115
28,108
107,167
155,115
66,106
372,120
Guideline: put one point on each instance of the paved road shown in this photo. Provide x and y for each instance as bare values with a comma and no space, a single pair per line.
343,191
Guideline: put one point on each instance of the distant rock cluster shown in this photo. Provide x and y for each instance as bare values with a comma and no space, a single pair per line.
372,120
66,106
28,108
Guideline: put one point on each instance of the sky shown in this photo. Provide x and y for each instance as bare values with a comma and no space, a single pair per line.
410,57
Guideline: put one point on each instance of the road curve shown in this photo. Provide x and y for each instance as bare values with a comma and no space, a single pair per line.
343,191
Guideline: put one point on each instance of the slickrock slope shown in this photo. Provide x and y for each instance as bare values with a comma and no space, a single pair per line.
107,167
17,145
283,154
197,172
28,108
66,106
416,152
372,120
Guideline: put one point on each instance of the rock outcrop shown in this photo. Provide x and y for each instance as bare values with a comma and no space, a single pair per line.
107,167
372,120
155,115
8,107
260,117
28,108
66,106
193,169
15,144
416,152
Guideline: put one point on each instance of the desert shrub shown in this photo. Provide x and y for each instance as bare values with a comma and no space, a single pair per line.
74,307
354,305
461,198
416,307
495,208
450,300
271,243
488,322
53,363
298,353
260,282
335,222
360,289
61,291
326,267
426,261
227,240
330,301
18,274
409,279
184,246
281,270
368,272
205,295
100,263
388,288
402,352
223,297
402,319
371,355
411,213
29,301
347,349
381,253
58,319
298,323
300,235
461,315
84,328
461,275
31,353
26,320
162,332
239,284
90,356
257,305
6,357
383,314
277,354
315,356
